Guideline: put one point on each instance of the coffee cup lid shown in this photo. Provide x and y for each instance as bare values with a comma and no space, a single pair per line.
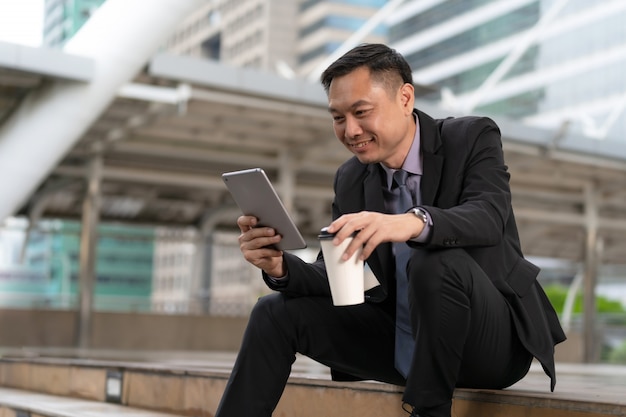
325,234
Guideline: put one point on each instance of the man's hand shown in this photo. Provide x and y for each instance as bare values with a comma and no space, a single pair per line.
373,229
255,244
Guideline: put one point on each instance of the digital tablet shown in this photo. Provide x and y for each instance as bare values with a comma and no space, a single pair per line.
254,194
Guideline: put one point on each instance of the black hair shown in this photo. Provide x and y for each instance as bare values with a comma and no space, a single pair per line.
384,63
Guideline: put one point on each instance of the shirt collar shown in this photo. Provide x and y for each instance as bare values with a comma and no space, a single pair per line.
413,162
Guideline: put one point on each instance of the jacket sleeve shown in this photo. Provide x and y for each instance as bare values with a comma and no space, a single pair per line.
302,278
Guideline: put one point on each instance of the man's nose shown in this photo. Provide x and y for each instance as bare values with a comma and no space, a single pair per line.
353,128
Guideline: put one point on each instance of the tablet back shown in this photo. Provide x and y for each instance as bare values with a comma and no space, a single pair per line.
255,196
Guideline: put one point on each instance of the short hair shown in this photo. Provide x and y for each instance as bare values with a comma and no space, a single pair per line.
385,64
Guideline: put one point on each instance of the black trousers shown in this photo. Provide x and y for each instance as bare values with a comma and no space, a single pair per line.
464,332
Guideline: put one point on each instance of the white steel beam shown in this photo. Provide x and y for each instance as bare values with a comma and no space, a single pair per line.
410,9
492,51
458,25
514,55
537,79
52,119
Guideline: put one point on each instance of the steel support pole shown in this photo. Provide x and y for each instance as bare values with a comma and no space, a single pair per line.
287,180
88,244
204,262
591,272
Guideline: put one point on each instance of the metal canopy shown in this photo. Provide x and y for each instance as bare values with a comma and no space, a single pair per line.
23,69
170,134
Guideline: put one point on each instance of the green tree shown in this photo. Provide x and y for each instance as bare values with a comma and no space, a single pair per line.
558,293
613,311
618,355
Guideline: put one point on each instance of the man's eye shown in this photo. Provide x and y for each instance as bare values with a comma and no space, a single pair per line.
337,118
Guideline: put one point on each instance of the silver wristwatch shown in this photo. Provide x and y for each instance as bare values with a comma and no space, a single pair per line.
420,214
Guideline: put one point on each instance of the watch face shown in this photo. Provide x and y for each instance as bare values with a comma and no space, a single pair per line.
419,213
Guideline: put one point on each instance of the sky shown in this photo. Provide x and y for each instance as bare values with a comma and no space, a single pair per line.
21,21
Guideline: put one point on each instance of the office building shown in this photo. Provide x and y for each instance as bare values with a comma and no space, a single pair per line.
63,18
324,25
259,34
284,36
555,64
44,272
173,286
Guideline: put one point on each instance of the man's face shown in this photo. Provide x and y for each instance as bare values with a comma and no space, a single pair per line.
373,123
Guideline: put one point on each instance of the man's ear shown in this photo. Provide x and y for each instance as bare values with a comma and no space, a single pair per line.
407,97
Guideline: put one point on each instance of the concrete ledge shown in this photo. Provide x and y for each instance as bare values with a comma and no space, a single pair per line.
17,403
46,62
136,331
513,403
139,332
195,389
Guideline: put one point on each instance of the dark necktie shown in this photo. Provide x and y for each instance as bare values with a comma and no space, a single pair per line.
401,201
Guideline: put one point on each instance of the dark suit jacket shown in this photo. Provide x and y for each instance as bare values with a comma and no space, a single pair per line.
465,188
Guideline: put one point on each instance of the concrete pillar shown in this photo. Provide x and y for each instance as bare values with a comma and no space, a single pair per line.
591,265
203,262
88,246
287,180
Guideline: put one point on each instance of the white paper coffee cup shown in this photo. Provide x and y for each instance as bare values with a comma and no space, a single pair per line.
345,277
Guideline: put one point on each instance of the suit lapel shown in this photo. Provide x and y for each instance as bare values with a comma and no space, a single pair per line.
372,189
432,163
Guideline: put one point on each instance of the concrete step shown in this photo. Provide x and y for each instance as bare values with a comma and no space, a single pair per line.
19,403
192,384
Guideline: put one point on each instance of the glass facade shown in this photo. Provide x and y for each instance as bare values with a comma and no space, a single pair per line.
366,3
346,23
63,18
48,277
322,50
329,23
568,69
432,17
477,37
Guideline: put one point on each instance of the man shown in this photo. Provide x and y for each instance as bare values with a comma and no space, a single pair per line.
463,310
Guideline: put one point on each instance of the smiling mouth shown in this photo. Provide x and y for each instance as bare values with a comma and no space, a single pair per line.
360,144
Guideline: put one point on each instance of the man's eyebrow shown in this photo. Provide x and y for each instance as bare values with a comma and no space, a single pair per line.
352,106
